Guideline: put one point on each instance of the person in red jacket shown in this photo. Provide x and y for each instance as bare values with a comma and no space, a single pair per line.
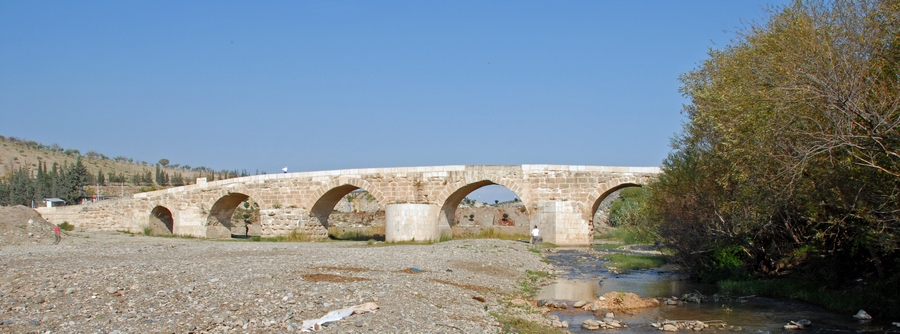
56,234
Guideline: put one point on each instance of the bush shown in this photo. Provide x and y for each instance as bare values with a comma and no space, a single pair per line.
627,262
724,263
65,226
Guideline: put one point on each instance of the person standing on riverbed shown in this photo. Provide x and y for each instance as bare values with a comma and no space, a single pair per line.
535,235
56,234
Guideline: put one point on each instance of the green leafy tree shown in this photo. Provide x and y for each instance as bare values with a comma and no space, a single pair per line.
791,152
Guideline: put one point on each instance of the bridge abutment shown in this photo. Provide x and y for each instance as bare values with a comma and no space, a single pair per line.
411,222
561,223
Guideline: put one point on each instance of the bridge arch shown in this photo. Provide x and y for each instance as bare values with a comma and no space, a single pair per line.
331,193
454,194
161,221
218,222
597,196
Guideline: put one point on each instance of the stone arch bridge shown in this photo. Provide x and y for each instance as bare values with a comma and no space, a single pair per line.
419,202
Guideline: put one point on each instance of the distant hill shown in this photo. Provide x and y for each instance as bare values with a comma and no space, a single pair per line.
16,153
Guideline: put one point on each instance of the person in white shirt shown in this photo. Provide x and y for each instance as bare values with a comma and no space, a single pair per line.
535,235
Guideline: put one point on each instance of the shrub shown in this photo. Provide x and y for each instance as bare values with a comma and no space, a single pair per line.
65,226
724,263
633,262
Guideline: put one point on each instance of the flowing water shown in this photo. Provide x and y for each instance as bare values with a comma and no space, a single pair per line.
581,276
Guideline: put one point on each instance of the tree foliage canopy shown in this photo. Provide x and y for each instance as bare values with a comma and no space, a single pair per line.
790,156
66,182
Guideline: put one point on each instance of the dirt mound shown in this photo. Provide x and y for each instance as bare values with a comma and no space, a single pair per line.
623,301
21,225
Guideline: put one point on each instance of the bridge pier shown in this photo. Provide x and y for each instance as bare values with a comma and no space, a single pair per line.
189,222
411,222
562,223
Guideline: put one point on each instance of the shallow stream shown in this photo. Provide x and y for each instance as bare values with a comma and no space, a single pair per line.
581,276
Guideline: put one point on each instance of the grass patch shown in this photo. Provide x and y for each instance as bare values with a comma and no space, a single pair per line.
529,285
624,236
357,234
65,226
445,237
294,236
486,233
511,324
625,262
148,230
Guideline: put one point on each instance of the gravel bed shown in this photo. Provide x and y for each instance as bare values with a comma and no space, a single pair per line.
95,282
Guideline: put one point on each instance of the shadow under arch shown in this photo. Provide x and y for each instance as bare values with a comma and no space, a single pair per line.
448,209
324,206
161,221
218,223
596,205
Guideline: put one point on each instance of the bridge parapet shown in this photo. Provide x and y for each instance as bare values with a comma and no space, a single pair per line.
561,199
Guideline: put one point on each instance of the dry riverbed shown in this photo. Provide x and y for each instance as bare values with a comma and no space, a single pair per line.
108,282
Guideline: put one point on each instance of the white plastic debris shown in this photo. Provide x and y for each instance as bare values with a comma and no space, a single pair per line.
316,324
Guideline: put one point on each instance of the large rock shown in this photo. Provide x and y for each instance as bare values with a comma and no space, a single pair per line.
862,315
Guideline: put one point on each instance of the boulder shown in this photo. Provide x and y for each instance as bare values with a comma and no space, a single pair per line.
862,315
591,324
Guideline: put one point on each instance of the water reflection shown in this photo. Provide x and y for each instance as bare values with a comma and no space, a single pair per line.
581,276
570,290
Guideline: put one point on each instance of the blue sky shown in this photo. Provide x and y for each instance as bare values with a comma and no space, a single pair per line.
319,85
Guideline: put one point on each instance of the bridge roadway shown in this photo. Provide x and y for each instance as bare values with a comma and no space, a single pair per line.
419,202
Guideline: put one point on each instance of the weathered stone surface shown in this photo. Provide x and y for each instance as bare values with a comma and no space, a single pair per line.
560,199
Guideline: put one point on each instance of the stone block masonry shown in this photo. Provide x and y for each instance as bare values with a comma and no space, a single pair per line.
560,199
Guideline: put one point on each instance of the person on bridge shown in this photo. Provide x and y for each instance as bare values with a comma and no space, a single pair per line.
535,235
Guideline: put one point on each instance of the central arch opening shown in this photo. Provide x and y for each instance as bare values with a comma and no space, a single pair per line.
484,209
349,212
